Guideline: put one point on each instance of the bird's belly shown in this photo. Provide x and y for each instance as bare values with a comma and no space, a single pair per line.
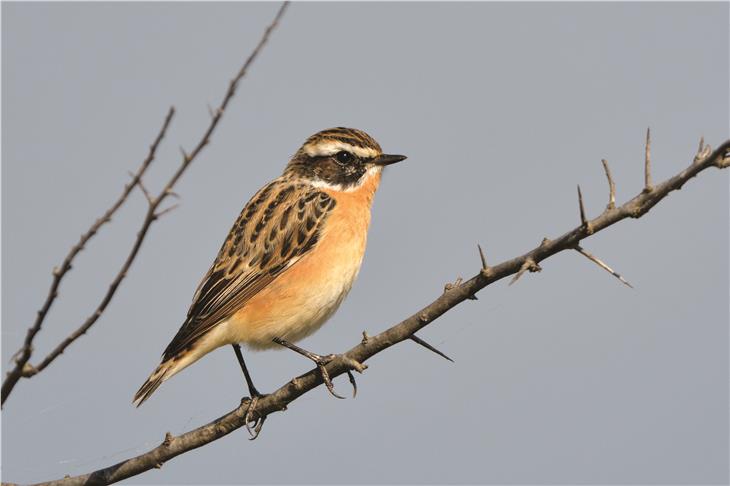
301,299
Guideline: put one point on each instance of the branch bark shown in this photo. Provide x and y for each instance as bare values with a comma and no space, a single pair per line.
22,368
371,345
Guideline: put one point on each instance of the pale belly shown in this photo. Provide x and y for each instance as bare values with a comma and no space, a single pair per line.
298,312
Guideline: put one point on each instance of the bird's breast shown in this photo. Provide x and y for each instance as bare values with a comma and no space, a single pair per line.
302,298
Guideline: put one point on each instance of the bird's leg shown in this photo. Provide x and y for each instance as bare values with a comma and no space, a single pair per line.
251,388
321,361
255,394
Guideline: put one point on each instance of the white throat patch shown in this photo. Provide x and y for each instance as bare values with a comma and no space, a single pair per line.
320,184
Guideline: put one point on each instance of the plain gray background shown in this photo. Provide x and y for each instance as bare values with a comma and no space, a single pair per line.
565,377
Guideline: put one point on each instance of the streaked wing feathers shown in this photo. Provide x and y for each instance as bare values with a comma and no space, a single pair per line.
279,225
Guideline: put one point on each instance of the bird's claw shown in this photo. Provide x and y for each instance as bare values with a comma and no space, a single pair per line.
258,423
322,361
351,363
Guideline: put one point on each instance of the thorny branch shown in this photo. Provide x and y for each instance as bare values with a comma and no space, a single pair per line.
22,367
278,401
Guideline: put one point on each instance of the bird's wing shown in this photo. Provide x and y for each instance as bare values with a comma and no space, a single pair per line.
276,228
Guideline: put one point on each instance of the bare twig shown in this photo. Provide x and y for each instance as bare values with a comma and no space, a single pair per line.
22,367
163,212
611,186
150,217
147,195
648,187
369,346
601,264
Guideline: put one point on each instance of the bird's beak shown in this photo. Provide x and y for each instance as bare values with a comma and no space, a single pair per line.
386,159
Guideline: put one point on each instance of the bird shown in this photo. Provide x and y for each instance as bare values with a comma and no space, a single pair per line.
289,260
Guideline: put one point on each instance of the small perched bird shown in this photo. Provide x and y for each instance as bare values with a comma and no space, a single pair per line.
289,260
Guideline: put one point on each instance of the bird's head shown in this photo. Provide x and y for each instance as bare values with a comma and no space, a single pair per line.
339,158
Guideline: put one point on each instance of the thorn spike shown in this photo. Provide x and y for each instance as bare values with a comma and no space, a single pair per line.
647,162
601,264
583,219
423,343
611,185
482,257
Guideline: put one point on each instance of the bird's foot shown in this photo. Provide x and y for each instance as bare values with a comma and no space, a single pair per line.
349,362
322,361
259,422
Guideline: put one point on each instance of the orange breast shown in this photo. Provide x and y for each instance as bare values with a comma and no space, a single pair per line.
302,298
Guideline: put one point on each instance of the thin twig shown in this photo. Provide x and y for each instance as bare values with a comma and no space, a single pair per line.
147,195
601,264
611,186
150,217
163,212
367,348
22,367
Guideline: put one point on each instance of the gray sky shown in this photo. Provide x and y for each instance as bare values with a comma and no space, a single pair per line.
565,377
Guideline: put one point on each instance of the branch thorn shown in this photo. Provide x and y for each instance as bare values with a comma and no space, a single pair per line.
450,285
611,186
583,220
485,271
530,265
703,151
601,264
423,343
648,187
185,155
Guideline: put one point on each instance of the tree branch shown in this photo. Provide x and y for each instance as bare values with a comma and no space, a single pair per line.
22,367
372,345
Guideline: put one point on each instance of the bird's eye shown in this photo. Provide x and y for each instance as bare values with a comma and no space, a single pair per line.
343,157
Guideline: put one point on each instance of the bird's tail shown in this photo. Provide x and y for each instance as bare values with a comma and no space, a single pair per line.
174,363
162,373
156,379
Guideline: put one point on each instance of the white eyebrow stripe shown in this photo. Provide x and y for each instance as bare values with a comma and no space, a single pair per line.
332,147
